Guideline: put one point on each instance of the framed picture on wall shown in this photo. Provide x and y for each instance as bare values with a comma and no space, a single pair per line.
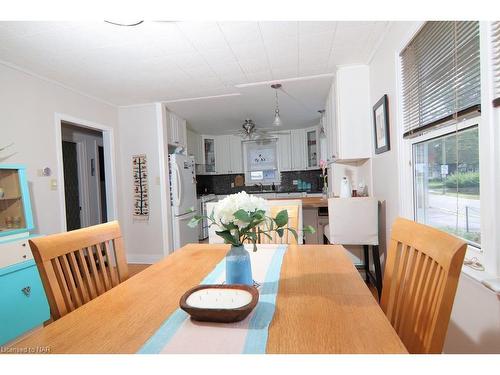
381,126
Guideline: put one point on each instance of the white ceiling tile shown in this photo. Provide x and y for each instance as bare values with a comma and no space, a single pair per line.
27,28
316,42
260,76
285,73
231,69
248,50
287,46
315,27
307,70
241,32
203,35
278,30
171,60
254,65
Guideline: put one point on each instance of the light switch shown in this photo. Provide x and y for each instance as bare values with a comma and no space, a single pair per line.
53,184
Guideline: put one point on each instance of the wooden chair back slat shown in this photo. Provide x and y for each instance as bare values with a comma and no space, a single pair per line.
293,222
77,266
103,267
112,271
120,259
65,297
89,283
84,292
91,257
420,282
70,281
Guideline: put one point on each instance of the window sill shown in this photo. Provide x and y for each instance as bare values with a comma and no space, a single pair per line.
487,280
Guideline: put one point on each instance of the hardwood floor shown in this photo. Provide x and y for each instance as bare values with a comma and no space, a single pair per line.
136,268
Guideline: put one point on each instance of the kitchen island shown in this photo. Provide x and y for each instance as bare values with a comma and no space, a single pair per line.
308,202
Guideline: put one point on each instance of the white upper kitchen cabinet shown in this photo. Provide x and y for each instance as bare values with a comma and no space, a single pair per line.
228,154
194,146
347,115
284,152
177,130
222,158
236,151
209,154
312,147
298,149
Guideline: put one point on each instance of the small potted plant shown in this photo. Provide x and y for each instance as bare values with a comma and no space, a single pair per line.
241,218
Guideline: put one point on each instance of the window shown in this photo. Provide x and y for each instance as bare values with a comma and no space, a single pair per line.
440,74
441,102
446,183
495,33
261,162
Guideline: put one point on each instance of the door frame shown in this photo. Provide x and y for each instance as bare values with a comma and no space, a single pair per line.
83,194
108,140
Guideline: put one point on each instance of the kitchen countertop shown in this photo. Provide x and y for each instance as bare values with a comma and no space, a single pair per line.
308,202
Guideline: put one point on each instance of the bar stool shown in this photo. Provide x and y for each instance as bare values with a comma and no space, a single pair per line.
354,221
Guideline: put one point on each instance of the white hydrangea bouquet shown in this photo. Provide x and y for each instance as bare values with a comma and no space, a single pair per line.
242,217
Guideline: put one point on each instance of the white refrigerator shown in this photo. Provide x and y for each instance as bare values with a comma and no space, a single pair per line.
183,198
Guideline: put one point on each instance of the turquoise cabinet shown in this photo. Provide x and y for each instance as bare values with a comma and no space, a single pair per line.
23,304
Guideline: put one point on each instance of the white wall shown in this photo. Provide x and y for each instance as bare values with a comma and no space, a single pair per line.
475,320
27,117
139,135
385,166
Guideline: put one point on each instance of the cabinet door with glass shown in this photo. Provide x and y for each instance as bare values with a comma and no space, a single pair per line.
15,207
209,154
312,148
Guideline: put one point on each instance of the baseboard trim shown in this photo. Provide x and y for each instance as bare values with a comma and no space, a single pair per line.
143,258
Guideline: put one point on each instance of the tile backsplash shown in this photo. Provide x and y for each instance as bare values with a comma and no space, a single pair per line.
221,184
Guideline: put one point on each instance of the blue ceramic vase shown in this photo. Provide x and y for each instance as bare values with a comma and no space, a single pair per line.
238,266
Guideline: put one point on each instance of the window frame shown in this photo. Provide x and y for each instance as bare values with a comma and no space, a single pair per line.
449,129
489,157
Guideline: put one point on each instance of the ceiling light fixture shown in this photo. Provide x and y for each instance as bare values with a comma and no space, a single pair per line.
125,22
322,131
277,119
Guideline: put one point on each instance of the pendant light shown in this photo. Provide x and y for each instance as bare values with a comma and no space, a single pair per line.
277,119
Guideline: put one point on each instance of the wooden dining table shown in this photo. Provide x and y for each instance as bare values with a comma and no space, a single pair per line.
322,306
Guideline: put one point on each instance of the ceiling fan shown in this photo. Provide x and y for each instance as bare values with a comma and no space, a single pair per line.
249,131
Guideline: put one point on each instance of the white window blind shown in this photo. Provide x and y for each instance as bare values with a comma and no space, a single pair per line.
440,74
495,33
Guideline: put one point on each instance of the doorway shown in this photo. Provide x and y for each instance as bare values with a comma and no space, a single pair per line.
84,175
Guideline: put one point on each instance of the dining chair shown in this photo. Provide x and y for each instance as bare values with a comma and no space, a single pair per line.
420,281
354,221
294,209
77,266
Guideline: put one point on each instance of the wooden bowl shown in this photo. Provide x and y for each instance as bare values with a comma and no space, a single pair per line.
219,303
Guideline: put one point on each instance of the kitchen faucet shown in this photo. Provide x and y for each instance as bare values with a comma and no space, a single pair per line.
261,186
